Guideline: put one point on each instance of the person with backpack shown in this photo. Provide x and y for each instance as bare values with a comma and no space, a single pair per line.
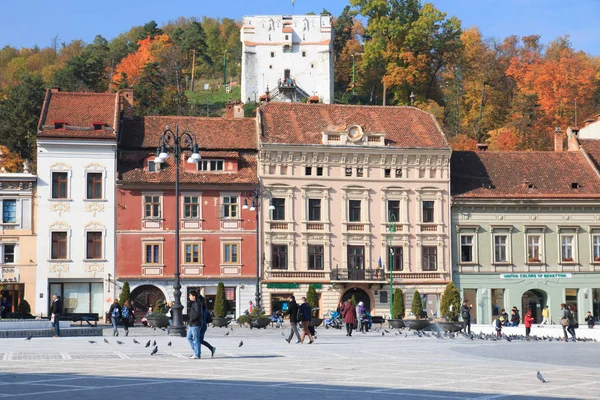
293,311
196,321
115,315
466,316
126,316
207,319
305,315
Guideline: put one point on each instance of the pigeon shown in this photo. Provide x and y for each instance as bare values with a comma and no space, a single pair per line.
154,343
28,337
135,341
154,328
106,341
119,342
163,329
231,327
241,344
147,344
154,351
382,333
227,334
540,377
282,334
169,344
386,331
91,342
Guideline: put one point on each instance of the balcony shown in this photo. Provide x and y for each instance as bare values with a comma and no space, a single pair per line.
315,227
380,275
296,275
278,226
356,227
429,228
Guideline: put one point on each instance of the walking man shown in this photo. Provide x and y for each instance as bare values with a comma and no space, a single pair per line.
293,310
55,312
466,316
205,326
195,324
306,317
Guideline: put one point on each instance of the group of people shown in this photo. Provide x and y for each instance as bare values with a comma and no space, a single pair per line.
199,318
125,315
354,315
300,314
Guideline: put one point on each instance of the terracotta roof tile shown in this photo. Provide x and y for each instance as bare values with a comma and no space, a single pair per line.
522,174
79,111
211,133
298,123
592,148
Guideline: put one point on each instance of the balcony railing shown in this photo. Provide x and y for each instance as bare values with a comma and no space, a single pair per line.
429,228
315,227
382,275
278,225
285,274
356,227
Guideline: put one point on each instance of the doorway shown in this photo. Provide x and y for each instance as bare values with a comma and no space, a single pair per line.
359,295
534,300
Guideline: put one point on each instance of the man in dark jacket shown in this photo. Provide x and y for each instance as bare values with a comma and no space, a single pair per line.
196,321
55,312
306,317
205,312
466,316
293,310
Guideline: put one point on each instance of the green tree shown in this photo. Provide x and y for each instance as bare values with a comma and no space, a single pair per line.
86,72
417,304
450,304
398,305
125,294
160,307
312,298
220,301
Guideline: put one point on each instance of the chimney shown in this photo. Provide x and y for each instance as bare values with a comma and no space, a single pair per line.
482,146
234,109
54,90
127,103
572,139
588,121
559,140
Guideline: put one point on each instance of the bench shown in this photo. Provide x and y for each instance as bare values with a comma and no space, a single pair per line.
378,320
81,318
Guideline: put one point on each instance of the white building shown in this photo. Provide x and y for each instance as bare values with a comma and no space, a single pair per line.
76,150
289,56
590,129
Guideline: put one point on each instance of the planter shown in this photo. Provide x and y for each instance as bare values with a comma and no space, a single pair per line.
396,323
258,323
159,322
417,324
220,322
315,322
450,326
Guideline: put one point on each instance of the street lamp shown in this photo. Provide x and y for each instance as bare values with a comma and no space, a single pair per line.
256,195
177,142
391,229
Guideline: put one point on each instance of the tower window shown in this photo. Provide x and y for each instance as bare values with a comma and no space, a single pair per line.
272,54
303,54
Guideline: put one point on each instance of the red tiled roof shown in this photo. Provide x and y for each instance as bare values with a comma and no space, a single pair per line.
132,170
211,133
298,123
510,175
592,148
79,111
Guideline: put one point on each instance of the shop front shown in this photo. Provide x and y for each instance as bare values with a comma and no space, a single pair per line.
78,297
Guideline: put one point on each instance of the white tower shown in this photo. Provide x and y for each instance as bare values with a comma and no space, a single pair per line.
292,56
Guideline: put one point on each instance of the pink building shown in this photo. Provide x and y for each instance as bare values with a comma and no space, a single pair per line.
339,177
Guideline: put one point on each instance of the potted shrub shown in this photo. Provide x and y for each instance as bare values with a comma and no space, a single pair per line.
313,299
258,319
396,319
220,310
158,318
417,324
450,309
243,319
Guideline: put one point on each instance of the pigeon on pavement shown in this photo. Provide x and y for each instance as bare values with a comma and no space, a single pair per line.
231,327
154,351
154,343
148,344
241,344
135,341
282,334
119,342
91,341
28,337
169,344
227,334
106,341
540,377
382,333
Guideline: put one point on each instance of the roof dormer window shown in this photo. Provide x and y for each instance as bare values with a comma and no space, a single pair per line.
98,126
59,124
211,165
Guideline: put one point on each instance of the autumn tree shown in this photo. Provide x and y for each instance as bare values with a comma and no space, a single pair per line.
503,139
133,64
9,161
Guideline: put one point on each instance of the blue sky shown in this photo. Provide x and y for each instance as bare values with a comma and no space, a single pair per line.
26,23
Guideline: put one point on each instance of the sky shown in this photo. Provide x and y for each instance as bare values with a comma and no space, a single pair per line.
36,22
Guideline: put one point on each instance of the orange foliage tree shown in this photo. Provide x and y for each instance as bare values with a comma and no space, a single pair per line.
130,68
10,162
462,142
503,139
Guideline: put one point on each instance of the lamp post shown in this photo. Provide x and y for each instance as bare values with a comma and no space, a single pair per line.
391,229
177,142
256,195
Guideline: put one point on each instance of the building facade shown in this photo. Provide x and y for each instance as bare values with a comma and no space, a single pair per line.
17,239
526,232
339,177
76,161
287,58
217,237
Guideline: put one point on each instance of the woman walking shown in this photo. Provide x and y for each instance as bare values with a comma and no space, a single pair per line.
126,315
349,316
115,315
564,320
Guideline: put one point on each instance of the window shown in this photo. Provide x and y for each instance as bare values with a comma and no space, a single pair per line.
319,171
393,210
59,246
497,301
359,172
466,248
356,259
230,207
308,171
571,300
303,54
279,256
94,185
230,253
94,245
152,206
428,211
534,248
211,165
429,258
59,185
354,211
192,253
59,125
152,167
387,172
153,253
596,245
348,171
396,253
98,126
314,209
9,211
398,172
191,207
567,248
315,257
272,54
279,211
8,256
500,248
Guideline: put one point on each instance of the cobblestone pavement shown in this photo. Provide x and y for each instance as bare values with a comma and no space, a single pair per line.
365,366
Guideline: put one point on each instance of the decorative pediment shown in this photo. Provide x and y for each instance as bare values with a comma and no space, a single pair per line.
94,207
60,225
94,166
60,166
94,226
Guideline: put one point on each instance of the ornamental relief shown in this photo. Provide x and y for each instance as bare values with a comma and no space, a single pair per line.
60,225
94,166
58,268
60,207
94,208
16,185
94,269
60,166
93,226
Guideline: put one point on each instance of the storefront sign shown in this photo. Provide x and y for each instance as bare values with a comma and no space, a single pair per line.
274,285
535,276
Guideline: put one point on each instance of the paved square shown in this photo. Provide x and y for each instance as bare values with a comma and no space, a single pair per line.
365,366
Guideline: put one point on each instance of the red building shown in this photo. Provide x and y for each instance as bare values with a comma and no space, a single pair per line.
217,237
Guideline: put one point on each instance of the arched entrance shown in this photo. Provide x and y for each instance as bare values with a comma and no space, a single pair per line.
535,300
143,297
359,295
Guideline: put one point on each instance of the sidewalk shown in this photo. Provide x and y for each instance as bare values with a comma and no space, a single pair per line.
540,330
